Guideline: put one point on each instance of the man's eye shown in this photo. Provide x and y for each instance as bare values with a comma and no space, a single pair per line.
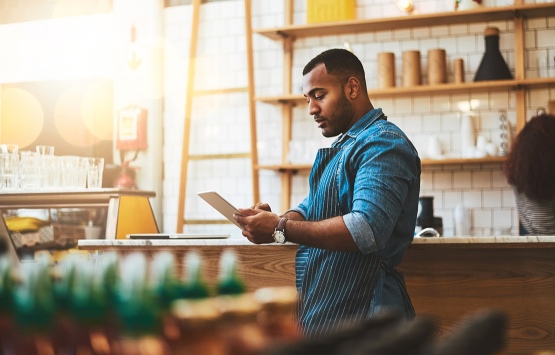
319,97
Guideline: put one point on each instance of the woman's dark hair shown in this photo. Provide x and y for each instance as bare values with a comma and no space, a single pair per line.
531,163
340,63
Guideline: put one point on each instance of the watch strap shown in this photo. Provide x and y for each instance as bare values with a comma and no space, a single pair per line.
281,224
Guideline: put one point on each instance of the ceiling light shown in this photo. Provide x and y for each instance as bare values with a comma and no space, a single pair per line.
405,5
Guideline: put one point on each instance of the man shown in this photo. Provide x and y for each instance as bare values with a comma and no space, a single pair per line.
359,216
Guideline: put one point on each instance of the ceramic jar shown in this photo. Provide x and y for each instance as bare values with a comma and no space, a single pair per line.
458,70
411,68
386,70
437,68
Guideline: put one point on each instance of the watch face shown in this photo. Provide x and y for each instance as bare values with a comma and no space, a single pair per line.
279,237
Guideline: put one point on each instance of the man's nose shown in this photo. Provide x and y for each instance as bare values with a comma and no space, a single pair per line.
313,108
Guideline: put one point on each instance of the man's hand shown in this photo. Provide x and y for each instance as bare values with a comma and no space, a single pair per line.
262,206
258,223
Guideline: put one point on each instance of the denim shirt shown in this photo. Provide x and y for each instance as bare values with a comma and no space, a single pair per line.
378,182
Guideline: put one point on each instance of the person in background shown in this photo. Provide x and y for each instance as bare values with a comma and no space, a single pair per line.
530,170
359,217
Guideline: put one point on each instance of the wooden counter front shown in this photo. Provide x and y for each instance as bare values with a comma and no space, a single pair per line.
451,281
259,265
447,278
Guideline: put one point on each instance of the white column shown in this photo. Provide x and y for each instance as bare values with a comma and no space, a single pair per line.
138,81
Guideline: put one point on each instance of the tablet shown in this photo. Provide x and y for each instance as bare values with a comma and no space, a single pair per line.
176,236
223,206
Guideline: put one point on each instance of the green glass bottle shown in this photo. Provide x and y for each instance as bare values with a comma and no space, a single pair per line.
138,310
164,281
193,285
34,308
7,285
229,282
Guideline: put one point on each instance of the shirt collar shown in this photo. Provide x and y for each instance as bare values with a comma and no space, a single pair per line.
364,122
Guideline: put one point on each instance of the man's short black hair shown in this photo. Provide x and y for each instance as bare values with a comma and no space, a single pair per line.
340,63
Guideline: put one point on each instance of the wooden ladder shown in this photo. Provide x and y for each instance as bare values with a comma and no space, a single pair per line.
186,157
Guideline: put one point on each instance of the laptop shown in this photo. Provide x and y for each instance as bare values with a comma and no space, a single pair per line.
176,236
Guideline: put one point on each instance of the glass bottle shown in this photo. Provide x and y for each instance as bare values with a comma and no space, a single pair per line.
229,282
7,284
138,310
193,285
493,65
34,310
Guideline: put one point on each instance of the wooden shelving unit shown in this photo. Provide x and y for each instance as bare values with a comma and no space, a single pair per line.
489,14
297,168
518,13
426,90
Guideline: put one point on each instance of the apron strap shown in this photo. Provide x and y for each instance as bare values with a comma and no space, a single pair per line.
398,277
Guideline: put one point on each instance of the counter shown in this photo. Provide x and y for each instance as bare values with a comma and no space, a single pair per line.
447,278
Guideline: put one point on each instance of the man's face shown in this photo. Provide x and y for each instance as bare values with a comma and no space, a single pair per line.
327,102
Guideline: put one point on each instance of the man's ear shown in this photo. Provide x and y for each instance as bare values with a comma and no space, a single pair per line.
352,88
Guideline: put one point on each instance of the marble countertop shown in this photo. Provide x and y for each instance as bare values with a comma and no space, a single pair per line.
501,240
505,241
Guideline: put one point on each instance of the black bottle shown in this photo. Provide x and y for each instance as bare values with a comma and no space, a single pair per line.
492,66
425,217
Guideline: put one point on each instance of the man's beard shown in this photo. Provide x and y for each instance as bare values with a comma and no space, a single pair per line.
340,118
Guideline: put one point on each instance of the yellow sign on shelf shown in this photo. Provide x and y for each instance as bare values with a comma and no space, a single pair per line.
330,10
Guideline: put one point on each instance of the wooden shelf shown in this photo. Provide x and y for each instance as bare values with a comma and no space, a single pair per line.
487,14
425,90
451,161
65,198
296,168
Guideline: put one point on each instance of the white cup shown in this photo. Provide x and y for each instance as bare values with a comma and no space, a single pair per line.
95,169
461,217
481,142
491,149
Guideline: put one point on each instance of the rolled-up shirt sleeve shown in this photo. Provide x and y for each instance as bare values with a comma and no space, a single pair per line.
384,168
302,208
360,230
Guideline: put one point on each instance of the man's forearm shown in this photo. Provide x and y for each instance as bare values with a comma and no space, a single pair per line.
330,234
293,215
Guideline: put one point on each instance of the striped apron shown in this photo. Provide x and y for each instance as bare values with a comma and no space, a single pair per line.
335,287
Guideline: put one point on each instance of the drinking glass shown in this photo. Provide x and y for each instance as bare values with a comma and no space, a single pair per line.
9,148
30,170
82,170
9,171
45,149
69,166
46,153
94,172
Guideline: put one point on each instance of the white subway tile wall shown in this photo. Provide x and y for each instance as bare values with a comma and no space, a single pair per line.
221,125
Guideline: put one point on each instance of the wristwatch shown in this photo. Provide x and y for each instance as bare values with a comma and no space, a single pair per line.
279,233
